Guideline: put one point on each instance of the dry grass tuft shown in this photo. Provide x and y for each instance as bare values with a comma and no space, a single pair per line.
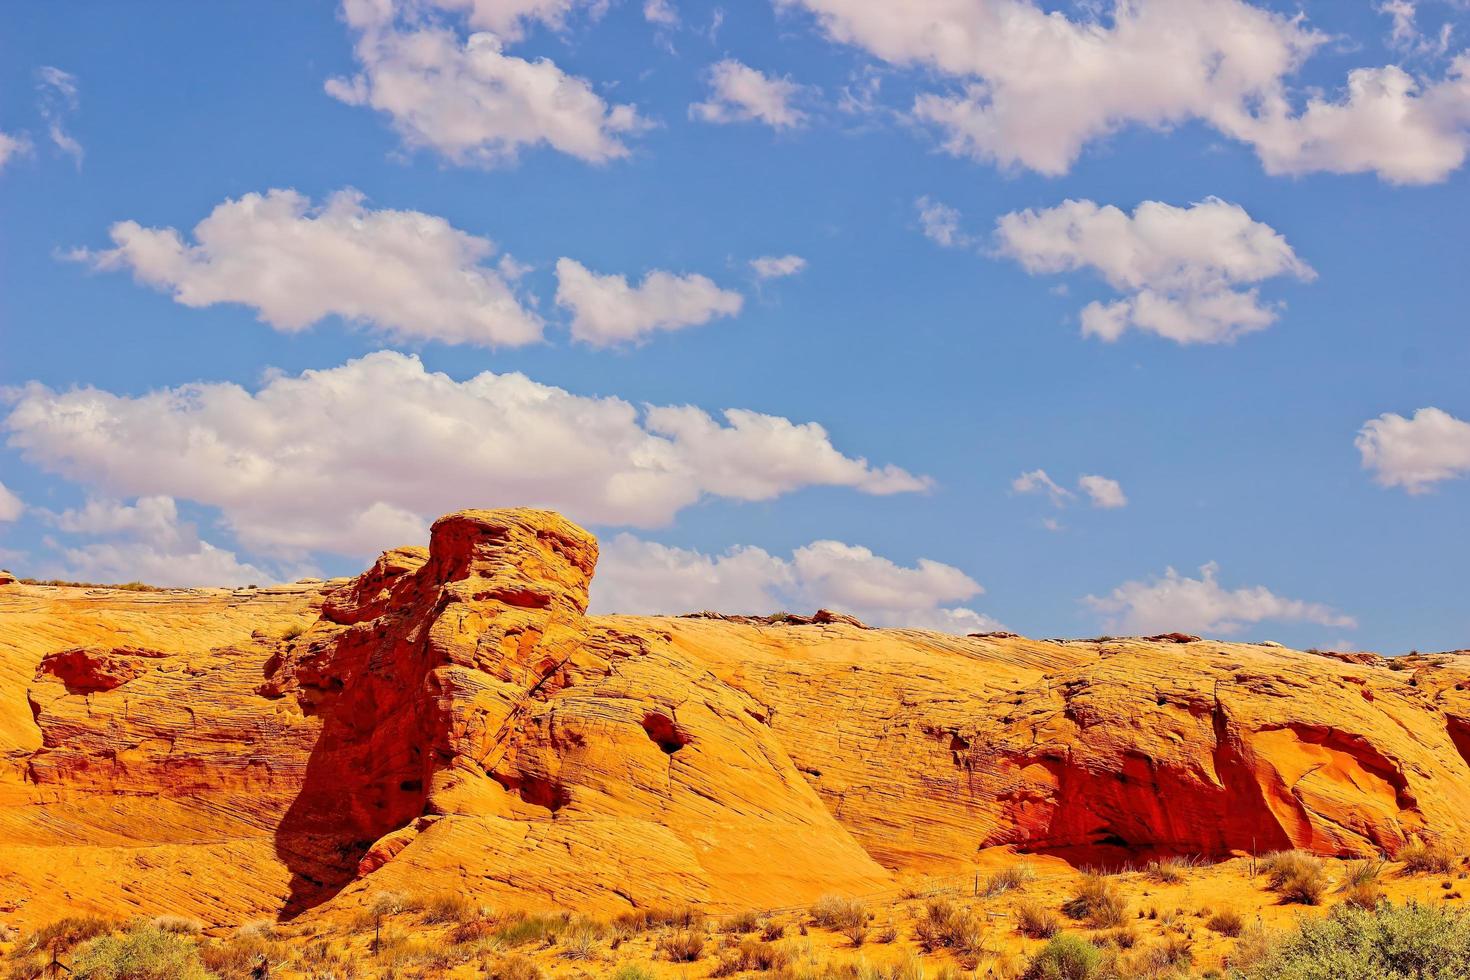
1036,921
1296,876
1227,922
833,912
1420,857
683,945
1015,876
1098,901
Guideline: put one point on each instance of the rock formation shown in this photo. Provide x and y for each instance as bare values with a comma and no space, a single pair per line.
452,720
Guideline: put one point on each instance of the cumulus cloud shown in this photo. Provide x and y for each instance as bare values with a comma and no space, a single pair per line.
644,577
1034,86
410,274
13,145
359,457
740,93
1184,270
146,542
1407,130
777,266
469,100
1202,605
606,310
940,223
1415,453
11,506
1103,492
59,96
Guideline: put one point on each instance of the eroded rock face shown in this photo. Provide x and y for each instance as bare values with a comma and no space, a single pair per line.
452,720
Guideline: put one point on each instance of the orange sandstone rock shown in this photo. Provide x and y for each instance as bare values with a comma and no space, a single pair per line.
452,720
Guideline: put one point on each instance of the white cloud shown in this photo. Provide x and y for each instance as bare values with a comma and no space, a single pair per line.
13,145
739,93
1415,453
660,12
1037,481
1105,493
1036,86
506,18
469,100
637,576
1183,269
11,506
777,266
59,97
941,223
606,310
410,274
359,457
1177,603
150,544
1406,130
1406,35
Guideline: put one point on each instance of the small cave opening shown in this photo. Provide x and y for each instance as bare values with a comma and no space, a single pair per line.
665,733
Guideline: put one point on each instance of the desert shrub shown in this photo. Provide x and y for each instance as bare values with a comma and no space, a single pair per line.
1420,857
238,955
1358,873
659,916
1037,921
856,933
581,941
182,925
143,952
1006,879
449,907
633,973
945,925
1390,941
751,956
1169,871
743,922
773,931
683,946
1365,896
1065,957
1124,938
471,931
1295,876
1227,922
1098,901
832,912
888,934
527,930
1172,952
515,967
63,934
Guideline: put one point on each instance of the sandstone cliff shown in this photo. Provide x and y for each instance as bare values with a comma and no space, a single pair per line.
451,719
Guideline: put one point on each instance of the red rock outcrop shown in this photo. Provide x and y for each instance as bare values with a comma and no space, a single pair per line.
452,720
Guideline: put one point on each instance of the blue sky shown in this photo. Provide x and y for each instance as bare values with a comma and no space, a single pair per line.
1323,212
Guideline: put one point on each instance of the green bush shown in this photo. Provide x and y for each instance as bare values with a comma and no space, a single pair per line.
1362,944
1065,957
142,953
